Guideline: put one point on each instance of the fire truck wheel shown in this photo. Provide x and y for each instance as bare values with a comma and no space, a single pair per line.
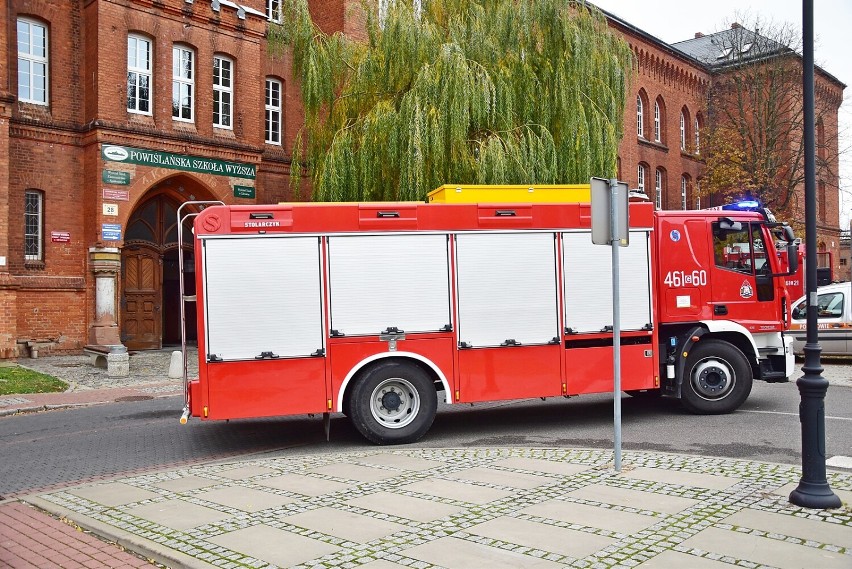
717,378
393,403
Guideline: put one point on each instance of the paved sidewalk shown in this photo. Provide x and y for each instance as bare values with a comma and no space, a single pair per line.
466,508
90,385
423,508
29,538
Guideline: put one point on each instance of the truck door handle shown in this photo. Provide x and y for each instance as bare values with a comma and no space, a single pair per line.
720,310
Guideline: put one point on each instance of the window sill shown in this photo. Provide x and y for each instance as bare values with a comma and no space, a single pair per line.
222,132
34,265
655,145
184,126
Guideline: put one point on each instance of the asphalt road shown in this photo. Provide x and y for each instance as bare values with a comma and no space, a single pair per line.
50,449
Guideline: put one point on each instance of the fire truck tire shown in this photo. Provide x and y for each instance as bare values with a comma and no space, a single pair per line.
393,403
717,378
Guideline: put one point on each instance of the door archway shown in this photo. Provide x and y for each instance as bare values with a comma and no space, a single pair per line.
151,297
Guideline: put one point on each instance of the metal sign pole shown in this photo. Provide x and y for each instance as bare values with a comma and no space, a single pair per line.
616,321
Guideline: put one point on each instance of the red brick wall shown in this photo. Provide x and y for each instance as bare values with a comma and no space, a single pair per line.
56,148
661,75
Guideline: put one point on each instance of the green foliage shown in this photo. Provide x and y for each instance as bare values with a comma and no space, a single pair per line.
16,379
460,91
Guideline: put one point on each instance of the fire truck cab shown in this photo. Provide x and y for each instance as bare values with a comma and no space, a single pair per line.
375,310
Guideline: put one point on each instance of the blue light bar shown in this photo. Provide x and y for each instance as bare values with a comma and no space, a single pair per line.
745,205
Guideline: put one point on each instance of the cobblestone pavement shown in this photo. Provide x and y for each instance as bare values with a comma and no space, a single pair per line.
424,508
146,367
89,384
467,508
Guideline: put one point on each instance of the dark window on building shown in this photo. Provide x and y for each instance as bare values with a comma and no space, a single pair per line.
33,225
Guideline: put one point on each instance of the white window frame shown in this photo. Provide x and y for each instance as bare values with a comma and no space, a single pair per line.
682,131
697,137
683,184
657,119
136,72
223,92
273,111
33,225
28,61
640,117
183,81
640,175
658,187
697,195
273,11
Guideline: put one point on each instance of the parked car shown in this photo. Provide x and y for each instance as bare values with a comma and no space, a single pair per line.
834,315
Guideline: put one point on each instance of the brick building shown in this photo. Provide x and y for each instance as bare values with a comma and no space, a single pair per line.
114,113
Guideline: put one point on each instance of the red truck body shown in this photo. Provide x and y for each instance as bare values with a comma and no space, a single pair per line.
376,310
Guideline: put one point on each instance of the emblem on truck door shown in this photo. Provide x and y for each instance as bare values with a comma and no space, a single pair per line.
675,235
745,290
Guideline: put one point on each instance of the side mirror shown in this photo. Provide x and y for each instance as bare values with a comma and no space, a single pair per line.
792,256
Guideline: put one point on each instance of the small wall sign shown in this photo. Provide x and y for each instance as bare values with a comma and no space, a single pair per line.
60,236
115,177
111,209
111,231
244,192
116,195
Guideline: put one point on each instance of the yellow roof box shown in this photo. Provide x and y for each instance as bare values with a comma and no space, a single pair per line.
550,193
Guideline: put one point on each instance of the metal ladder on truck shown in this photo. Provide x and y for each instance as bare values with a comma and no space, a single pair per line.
184,298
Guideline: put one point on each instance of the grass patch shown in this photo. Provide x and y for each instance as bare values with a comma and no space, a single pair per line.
16,379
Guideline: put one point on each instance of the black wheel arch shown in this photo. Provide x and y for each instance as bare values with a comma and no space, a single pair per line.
364,369
689,336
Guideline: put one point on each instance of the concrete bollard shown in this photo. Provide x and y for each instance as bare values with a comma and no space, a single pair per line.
118,361
176,365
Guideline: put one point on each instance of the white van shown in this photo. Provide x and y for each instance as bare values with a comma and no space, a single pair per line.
834,315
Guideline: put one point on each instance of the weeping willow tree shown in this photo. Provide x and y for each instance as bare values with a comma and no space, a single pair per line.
456,91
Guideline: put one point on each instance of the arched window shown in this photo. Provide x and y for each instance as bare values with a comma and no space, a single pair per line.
640,117
659,183
641,175
684,185
657,119
697,194
660,120
697,134
684,122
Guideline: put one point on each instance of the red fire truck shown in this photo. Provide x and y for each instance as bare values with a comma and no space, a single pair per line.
376,310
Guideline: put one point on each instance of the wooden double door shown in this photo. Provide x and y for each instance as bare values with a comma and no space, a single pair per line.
151,296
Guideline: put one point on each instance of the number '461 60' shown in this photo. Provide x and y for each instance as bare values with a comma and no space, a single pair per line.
677,279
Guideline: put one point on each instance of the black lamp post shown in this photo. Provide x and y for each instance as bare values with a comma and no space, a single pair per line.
813,490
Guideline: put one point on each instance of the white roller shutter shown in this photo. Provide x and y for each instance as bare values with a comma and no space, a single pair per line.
262,295
588,283
506,288
382,281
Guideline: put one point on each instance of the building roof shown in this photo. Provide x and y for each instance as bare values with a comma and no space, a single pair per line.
730,47
736,46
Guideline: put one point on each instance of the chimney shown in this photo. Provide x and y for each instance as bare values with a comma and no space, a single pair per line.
735,26
698,35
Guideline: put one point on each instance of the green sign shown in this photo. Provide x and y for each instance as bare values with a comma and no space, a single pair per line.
129,155
244,192
115,177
